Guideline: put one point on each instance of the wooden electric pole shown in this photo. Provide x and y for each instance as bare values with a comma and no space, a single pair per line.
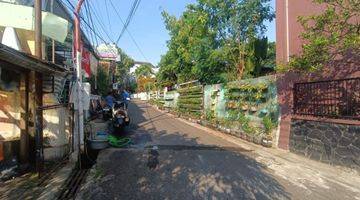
38,29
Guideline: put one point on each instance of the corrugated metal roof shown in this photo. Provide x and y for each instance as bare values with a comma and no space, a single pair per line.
26,61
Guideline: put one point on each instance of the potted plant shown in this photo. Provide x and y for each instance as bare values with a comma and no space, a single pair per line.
244,107
253,109
267,141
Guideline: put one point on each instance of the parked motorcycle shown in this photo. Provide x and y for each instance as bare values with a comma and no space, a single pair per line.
107,113
120,117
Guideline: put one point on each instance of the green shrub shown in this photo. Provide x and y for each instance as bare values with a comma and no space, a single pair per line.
268,125
209,115
190,101
245,124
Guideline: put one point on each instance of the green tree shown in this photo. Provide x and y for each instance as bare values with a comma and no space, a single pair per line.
167,74
239,25
145,70
330,36
270,60
103,82
122,71
213,40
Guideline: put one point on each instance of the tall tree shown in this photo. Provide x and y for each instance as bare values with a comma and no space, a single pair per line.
145,70
213,40
239,24
122,71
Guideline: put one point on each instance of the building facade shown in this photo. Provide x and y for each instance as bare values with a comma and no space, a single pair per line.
288,29
320,111
17,37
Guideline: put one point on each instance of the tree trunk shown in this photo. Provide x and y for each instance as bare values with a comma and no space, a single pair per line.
241,64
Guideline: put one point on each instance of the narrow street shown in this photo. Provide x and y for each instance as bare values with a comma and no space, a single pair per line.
171,159
190,99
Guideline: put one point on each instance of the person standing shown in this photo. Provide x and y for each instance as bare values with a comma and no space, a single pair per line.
110,99
126,97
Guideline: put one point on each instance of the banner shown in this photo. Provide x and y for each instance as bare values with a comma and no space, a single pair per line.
85,62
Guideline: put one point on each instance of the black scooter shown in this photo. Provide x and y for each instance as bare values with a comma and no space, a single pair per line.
120,117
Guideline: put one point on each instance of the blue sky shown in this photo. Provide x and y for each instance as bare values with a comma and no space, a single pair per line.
147,26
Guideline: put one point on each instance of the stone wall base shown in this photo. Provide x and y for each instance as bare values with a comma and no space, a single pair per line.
335,144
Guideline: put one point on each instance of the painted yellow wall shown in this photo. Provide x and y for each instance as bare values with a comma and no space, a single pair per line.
10,110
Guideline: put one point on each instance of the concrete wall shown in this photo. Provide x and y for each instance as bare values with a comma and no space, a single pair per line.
214,100
56,125
56,130
288,43
285,86
170,99
337,144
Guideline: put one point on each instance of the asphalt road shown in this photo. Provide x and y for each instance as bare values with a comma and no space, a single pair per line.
171,159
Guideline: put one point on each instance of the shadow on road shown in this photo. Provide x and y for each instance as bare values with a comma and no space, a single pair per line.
180,169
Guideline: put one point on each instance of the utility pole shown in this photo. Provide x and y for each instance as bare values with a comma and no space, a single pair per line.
52,41
79,138
38,96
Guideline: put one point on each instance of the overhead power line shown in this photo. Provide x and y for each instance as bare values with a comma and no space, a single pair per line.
88,14
101,24
71,7
132,12
92,27
107,14
127,30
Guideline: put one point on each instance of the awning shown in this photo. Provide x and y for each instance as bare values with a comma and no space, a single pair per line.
29,62
22,17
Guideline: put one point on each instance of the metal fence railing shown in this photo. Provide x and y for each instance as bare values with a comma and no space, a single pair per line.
338,99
